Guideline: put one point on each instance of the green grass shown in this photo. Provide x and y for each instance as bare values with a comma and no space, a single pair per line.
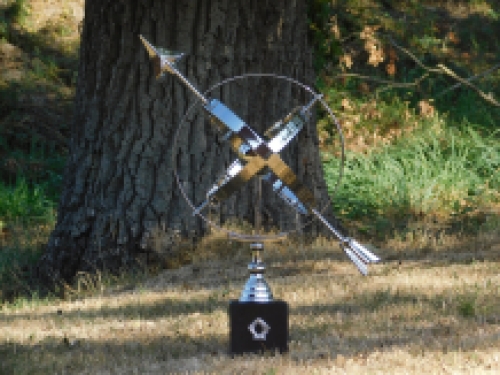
467,308
12,11
436,171
27,214
25,204
35,110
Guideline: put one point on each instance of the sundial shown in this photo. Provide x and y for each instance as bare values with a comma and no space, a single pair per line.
257,321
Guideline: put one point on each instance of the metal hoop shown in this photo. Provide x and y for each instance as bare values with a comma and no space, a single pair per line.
246,237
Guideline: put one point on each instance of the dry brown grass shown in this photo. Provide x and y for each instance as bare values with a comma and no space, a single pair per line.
429,307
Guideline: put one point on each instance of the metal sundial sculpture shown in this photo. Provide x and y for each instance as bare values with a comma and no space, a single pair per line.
258,155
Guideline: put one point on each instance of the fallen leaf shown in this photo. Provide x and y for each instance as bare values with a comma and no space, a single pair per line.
346,61
391,68
426,108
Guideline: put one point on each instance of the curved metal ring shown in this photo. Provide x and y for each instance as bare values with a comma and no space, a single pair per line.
249,237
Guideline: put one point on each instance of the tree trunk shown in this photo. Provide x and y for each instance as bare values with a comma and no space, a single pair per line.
120,194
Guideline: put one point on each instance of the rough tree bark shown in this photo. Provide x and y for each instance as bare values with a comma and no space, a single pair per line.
119,189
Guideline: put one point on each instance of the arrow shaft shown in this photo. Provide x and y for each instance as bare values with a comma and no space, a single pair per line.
329,226
188,84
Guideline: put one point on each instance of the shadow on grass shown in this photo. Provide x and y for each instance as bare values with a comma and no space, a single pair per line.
428,247
363,303
440,339
157,354
37,78
55,355
166,307
292,261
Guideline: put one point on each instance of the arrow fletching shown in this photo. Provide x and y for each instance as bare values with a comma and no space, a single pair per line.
358,254
363,252
362,267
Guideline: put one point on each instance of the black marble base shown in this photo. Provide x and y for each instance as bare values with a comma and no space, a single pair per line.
258,326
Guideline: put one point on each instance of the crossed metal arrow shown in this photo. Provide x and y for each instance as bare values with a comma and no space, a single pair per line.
255,154
259,154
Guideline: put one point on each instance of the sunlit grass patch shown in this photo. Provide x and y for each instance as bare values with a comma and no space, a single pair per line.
434,172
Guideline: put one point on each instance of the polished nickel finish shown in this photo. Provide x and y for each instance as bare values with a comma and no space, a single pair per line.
256,288
258,154
164,61
358,254
255,154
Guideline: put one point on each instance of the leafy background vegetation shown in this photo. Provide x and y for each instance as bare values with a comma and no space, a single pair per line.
421,144
38,65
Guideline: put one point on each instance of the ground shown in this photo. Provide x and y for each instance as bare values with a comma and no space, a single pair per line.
420,310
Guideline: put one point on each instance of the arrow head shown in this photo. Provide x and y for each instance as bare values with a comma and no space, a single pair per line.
162,59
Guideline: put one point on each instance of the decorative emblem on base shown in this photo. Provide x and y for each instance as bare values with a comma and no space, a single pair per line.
259,329
256,288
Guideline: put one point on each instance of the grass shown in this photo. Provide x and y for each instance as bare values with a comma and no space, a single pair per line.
27,215
25,204
20,249
12,11
37,78
438,171
401,319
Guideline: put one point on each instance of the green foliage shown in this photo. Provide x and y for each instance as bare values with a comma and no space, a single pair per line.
326,47
467,308
27,214
465,106
17,11
37,168
372,37
414,150
435,171
26,204
12,12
